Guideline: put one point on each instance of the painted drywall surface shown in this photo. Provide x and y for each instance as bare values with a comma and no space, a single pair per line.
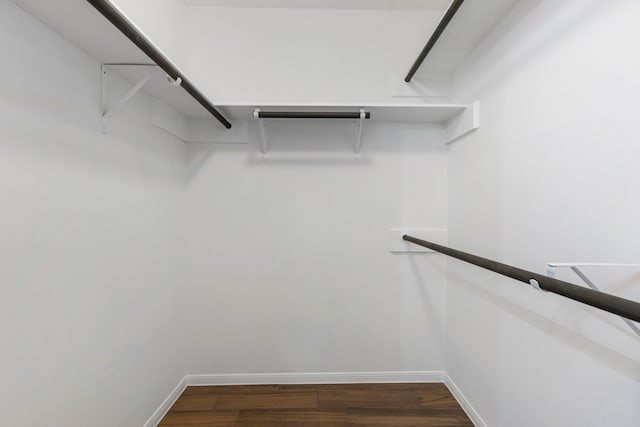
87,224
256,55
288,267
162,21
551,175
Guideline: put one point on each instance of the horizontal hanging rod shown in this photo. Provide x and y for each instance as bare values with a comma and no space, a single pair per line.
309,115
448,16
131,32
607,302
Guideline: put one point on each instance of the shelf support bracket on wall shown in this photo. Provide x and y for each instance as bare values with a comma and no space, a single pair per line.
106,110
129,30
551,272
361,116
263,134
358,145
463,123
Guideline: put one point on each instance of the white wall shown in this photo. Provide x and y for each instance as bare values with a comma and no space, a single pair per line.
288,266
551,176
87,242
272,55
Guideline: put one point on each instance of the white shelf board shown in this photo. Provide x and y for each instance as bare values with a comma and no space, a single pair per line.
91,32
327,4
416,113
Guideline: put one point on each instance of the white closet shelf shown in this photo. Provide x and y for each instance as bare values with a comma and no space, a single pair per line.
178,113
417,113
456,119
380,112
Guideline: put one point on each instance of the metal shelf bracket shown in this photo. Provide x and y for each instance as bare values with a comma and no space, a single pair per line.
360,117
263,134
107,110
360,124
551,272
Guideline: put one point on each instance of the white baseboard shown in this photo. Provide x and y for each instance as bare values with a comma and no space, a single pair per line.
317,378
164,407
468,408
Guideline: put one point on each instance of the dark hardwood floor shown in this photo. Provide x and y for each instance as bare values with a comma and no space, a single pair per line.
342,405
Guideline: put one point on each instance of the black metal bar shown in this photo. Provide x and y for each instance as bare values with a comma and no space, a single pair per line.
129,30
310,115
607,302
448,16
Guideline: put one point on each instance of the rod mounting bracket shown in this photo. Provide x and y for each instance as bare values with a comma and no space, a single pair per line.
535,285
263,134
174,82
358,144
360,117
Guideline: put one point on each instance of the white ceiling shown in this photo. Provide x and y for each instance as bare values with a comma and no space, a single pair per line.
327,4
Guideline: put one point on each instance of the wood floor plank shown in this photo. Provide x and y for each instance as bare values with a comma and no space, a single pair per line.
426,387
323,387
403,418
294,400
388,397
438,401
230,389
200,418
292,418
343,399
195,403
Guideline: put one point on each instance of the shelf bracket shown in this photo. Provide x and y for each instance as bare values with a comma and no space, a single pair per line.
463,123
359,125
551,272
108,111
263,134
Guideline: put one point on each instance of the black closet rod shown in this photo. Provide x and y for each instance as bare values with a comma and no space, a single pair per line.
121,23
448,16
310,115
607,302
